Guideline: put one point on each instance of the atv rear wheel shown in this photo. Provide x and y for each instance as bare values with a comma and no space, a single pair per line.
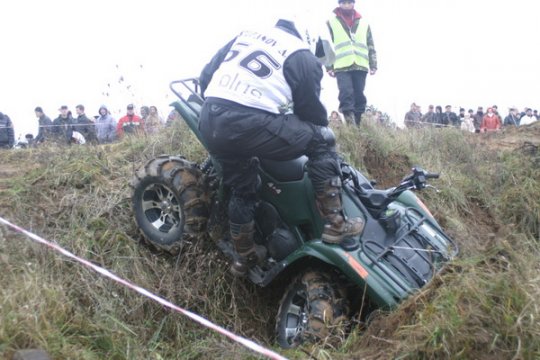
314,308
169,202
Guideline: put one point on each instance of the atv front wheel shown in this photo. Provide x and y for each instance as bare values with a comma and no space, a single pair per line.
314,308
169,202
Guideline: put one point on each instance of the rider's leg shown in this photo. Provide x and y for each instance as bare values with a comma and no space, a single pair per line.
241,175
323,169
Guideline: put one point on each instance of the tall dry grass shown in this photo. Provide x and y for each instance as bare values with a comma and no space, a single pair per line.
483,306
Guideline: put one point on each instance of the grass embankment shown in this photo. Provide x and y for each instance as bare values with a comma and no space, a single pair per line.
485,305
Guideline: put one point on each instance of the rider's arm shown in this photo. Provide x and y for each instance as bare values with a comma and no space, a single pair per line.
303,73
212,66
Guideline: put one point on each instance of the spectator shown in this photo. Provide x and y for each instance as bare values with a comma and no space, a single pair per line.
496,111
45,126
29,140
412,117
467,123
461,115
450,117
145,111
334,120
173,117
478,118
153,121
522,114
535,114
105,126
355,55
512,119
7,134
528,118
130,123
439,119
429,117
63,126
84,125
491,121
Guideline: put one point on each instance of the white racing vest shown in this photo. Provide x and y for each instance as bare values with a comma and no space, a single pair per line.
252,72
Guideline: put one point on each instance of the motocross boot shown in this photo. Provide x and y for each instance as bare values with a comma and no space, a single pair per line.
249,253
337,227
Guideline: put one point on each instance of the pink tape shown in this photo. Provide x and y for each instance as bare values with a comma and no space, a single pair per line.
245,342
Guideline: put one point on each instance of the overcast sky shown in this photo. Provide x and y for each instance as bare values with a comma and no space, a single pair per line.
460,52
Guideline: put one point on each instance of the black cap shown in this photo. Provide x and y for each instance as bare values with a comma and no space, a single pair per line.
130,107
38,108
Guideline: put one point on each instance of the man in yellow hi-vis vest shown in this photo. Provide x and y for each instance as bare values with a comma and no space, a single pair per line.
354,56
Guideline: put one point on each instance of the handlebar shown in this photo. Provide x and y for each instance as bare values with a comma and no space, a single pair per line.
416,180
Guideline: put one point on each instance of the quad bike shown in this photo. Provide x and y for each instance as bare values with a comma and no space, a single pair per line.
399,251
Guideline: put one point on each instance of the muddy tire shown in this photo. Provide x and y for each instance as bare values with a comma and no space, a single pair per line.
314,308
169,202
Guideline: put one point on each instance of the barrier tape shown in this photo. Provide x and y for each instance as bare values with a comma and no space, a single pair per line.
197,318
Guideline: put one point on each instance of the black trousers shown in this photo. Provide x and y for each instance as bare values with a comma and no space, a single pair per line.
351,85
236,134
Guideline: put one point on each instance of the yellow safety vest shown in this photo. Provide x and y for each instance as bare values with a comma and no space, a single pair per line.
350,49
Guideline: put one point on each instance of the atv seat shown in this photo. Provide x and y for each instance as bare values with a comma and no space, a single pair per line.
293,170
285,171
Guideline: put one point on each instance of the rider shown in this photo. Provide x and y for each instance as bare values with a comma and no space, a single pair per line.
250,87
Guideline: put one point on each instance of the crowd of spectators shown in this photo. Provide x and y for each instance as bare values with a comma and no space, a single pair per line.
81,129
104,128
471,121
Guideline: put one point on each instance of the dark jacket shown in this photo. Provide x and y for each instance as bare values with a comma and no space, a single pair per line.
45,129
7,135
450,118
428,117
438,117
86,127
63,129
303,74
511,120
477,119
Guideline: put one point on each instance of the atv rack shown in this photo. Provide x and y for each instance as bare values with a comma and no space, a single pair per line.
410,233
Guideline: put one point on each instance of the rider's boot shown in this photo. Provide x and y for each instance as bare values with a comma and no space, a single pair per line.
337,227
249,253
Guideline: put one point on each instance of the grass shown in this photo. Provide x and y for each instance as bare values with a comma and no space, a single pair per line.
485,305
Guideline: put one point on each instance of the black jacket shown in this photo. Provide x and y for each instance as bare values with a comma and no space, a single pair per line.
86,127
7,135
303,73
63,129
450,118
511,120
45,128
